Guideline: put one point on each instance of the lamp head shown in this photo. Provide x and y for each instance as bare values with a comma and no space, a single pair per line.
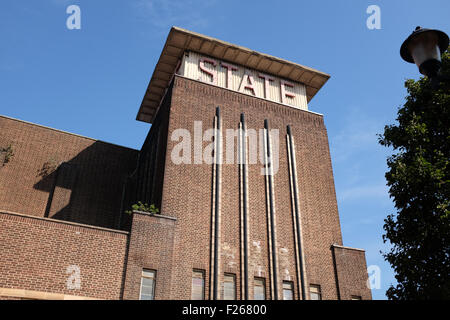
424,47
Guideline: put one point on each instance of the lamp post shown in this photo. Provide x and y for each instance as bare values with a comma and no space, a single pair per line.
424,47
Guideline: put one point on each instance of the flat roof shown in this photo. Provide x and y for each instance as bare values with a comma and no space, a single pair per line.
65,132
180,40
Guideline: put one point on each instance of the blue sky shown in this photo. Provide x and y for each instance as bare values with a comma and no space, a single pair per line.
91,81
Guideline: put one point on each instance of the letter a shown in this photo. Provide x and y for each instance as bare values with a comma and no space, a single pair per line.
373,21
74,20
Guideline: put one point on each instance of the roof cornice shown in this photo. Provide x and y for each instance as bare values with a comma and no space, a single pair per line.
180,40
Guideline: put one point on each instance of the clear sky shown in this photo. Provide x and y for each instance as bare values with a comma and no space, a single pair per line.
91,81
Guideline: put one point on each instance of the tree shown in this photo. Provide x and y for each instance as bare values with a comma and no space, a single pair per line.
419,183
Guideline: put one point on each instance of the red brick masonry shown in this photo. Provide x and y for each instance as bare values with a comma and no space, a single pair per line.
36,252
351,273
87,188
56,177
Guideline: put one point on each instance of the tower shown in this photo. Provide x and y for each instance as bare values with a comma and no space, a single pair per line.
241,171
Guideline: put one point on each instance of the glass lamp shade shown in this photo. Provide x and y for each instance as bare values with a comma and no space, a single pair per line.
424,48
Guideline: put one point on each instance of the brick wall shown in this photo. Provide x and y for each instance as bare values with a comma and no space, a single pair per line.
187,192
88,189
151,246
36,252
62,175
351,273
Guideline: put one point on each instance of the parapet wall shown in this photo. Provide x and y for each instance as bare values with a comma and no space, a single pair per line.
351,273
43,258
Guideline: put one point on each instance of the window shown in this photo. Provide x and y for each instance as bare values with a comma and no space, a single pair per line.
229,287
288,290
148,284
314,292
259,289
198,285
356,298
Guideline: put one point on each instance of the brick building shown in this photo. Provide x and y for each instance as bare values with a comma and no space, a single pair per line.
238,166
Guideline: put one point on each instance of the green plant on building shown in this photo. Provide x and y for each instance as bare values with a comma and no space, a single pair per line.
143,207
6,154
49,167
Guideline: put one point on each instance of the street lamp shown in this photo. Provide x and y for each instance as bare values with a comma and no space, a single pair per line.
424,48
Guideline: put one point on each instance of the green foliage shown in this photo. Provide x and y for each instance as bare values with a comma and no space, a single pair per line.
8,153
48,167
152,209
419,183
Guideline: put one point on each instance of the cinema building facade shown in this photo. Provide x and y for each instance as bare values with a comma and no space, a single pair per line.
228,227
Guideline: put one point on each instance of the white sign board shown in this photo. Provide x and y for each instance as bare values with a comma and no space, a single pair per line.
242,79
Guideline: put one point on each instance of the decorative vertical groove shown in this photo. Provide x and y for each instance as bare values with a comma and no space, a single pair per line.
271,210
241,215
215,221
269,237
244,204
299,254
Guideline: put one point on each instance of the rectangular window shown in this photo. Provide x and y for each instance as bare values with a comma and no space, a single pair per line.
288,290
148,284
229,287
198,285
314,292
259,289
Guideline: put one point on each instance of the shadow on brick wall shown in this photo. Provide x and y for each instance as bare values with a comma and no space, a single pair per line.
89,187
